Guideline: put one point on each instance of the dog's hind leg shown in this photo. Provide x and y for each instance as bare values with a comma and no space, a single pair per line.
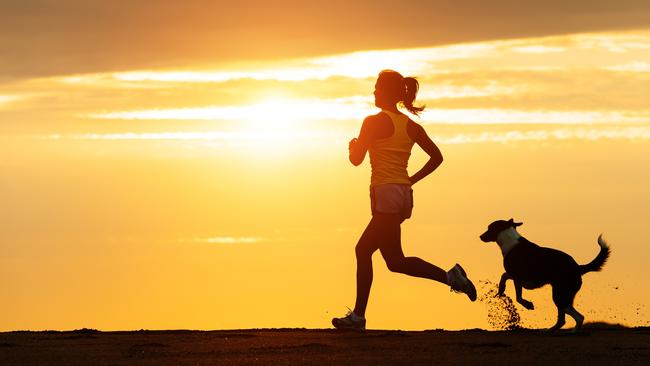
579,318
563,295
560,320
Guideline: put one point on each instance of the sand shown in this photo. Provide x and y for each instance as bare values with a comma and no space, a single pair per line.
597,345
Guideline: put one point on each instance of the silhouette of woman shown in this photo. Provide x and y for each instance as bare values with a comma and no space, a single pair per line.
389,136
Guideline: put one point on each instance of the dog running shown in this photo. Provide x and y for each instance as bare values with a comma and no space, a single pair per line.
531,266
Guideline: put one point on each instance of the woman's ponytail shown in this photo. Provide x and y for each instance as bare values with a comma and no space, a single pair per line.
411,87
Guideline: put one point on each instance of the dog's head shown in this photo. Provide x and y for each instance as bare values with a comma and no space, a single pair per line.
495,228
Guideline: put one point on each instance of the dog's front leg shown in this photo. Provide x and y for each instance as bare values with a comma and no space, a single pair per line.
518,289
502,284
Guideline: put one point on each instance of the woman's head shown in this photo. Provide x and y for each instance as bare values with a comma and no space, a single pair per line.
392,88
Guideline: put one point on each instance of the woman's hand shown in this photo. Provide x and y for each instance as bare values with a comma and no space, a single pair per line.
357,152
358,147
352,144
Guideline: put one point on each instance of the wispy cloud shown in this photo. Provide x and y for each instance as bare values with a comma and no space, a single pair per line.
531,133
501,116
7,99
612,42
196,136
225,240
635,66
296,109
493,88
538,49
323,110
358,65
629,133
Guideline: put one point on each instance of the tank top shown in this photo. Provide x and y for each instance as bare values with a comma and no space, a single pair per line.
389,156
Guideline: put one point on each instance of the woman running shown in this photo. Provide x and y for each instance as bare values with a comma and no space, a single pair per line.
389,136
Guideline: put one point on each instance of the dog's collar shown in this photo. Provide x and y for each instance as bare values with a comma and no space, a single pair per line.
508,239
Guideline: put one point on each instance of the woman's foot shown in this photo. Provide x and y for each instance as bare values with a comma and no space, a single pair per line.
350,321
458,281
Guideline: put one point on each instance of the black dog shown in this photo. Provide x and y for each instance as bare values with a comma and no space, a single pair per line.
532,266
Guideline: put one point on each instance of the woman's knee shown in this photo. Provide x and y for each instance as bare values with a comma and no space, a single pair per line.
396,265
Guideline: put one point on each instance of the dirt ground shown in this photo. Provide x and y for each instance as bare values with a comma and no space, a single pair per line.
594,346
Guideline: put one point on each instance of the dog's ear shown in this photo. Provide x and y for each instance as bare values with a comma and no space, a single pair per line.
515,224
518,224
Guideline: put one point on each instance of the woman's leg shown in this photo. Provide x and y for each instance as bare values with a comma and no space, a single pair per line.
391,249
367,245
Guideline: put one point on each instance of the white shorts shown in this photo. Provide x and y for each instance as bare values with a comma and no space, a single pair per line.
392,199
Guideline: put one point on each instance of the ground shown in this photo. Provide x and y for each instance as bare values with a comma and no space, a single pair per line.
595,346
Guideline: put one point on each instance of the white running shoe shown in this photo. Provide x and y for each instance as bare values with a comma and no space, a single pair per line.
350,321
458,281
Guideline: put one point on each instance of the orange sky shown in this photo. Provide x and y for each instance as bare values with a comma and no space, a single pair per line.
155,183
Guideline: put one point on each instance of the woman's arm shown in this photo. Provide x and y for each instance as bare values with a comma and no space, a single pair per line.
435,156
358,147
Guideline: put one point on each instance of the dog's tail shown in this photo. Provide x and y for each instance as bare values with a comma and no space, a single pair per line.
598,262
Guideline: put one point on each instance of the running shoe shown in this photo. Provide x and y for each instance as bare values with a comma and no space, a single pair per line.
350,321
459,282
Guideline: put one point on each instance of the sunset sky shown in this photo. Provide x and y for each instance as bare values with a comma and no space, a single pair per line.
167,166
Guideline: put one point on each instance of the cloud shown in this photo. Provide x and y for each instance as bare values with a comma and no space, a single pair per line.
294,110
488,134
635,66
8,99
482,83
300,111
493,75
196,136
536,49
359,65
225,240
500,116
107,35
592,134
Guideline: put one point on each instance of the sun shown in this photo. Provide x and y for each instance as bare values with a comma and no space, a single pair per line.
274,115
